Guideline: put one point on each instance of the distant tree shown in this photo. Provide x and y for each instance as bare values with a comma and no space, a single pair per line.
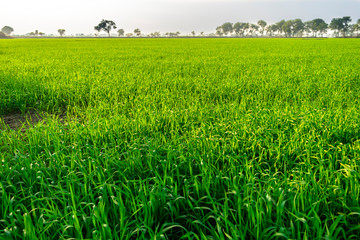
201,33
172,34
340,25
336,25
105,25
346,20
287,28
219,31
253,28
2,35
237,28
137,32
297,27
36,33
357,27
227,28
352,29
121,32
7,30
309,28
193,33
61,32
240,28
320,26
262,25
292,28
98,29
279,26
271,29
316,27
154,34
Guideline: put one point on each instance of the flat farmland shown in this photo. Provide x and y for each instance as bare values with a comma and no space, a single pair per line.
179,139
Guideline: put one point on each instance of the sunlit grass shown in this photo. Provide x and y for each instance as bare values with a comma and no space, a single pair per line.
181,138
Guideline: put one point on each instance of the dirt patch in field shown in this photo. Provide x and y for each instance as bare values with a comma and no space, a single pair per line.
22,121
16,121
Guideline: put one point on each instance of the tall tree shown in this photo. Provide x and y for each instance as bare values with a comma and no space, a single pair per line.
219,31
279,26
297,27
61,32
253,28
293,28
193,33
121,32
340,25
239,28
7,30
105,25
287,28
98,29
262,25
271,29
357,27
227,28
309,28
137,32
320,26
352,29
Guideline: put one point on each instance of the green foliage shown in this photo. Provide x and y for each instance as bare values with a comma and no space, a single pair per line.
7,30
240,28
219,31
227,28
181,139
341,25
121,32
293,27
137,32
280,26
262,25
317,27
105,25
61,32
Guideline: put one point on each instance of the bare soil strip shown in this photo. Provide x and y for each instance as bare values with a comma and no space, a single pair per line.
17,120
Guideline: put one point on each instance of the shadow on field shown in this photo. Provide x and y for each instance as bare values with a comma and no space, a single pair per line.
23,121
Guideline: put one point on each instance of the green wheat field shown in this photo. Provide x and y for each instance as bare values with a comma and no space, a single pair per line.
180,139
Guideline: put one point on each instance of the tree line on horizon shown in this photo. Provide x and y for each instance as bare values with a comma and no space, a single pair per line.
284,28
291,28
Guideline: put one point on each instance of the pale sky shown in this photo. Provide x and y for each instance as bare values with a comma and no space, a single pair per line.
80,16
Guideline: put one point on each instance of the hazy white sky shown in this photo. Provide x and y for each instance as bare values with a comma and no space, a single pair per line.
80,16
